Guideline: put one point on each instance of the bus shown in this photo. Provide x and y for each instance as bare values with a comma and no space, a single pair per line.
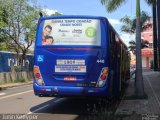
79,56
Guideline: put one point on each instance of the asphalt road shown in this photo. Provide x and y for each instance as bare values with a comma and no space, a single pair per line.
21,100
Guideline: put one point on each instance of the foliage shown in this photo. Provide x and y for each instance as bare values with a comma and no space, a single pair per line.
20,80
3,47
3,23
129,24
20,25
56,14
132,45
44,13
112,5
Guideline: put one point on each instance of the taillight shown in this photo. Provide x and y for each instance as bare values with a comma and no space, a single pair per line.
105,71
40,82
36,69
103,77
38,77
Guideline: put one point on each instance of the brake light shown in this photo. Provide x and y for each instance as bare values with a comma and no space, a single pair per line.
37,75
103,77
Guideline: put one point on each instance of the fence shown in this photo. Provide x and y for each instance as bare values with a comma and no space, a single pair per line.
8,63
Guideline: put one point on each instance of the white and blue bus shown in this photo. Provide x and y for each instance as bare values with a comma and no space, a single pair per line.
79,56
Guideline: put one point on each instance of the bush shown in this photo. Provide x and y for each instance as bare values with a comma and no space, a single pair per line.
20,80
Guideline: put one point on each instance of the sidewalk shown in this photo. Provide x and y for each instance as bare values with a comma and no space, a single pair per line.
142,109
9,85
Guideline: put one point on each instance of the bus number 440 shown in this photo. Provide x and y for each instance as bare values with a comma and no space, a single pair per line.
100,61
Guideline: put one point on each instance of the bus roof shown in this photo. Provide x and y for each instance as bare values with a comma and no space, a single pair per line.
73,16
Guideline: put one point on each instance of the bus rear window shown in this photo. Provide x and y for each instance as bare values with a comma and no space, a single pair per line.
71,32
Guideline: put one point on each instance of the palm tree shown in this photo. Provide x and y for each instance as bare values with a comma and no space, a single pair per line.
129,26
132,45
112,5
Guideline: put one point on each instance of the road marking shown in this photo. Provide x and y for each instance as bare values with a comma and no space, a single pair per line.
2,94
15,94
153,92
58,100
38,109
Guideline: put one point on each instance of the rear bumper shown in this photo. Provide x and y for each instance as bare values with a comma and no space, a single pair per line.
64,91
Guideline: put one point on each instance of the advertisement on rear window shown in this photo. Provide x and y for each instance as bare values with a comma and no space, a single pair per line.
71,32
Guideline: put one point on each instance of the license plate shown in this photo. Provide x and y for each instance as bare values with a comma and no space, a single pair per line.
70,78
70,62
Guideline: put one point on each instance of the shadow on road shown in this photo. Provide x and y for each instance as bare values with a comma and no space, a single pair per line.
65,106
82,109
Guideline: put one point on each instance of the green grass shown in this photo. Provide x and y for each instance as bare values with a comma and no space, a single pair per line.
20,80
2,82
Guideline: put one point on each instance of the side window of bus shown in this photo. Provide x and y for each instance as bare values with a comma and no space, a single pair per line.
112,47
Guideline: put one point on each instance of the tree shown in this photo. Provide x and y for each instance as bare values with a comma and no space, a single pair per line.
129,26
132,45
112,5
21,19
56,14
21,24
45,13
3,23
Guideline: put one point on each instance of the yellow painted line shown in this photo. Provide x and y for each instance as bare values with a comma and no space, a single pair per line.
16,94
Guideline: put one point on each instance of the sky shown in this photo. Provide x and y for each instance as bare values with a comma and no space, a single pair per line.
95,8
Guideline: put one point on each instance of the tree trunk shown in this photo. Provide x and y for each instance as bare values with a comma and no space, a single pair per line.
155,38
139,78
158,29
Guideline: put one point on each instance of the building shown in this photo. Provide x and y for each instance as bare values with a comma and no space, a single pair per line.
147,53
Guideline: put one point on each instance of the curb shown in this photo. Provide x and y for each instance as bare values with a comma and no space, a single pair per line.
3,87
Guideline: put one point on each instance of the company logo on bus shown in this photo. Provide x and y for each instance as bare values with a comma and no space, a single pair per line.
60,30
77,31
